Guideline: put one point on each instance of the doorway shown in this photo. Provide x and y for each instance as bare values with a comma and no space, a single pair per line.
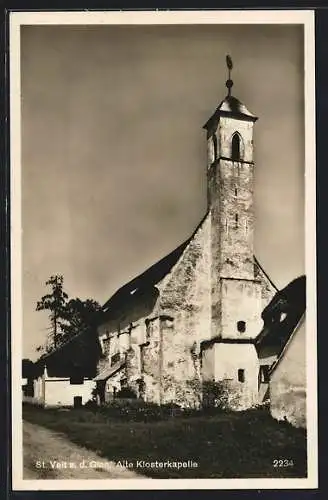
77,401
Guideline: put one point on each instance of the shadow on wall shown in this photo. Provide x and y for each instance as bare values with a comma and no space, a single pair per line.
129,307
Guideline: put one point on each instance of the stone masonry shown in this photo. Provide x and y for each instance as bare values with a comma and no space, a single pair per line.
192,318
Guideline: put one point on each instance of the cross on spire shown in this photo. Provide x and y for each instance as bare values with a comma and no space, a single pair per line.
229,82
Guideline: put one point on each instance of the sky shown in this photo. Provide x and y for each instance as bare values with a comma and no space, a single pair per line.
114,154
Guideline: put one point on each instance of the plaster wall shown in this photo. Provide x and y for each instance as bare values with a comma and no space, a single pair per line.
288,381
186,320
229,359
55,391
240,301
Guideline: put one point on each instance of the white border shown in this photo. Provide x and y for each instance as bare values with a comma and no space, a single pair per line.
304,17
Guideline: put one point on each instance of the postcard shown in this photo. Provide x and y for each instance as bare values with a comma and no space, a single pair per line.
163,252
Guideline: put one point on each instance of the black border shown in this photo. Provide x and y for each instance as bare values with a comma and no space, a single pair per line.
321,34
321,86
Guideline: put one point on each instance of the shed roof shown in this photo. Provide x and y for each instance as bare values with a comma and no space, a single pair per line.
109,371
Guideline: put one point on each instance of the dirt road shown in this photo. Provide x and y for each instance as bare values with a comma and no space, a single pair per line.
49,455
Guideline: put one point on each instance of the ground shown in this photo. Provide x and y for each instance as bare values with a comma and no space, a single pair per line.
48,455
223,445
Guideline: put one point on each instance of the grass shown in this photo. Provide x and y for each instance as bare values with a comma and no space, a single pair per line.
225,445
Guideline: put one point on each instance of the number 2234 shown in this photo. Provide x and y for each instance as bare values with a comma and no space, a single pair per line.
283,462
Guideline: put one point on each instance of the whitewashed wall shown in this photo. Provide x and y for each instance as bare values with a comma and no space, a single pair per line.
229,358
59,392
288,381
53,391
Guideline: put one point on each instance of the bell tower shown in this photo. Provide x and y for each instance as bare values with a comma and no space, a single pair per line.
235,293
231,184
230,173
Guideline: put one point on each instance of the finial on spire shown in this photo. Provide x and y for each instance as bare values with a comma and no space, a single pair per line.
229,82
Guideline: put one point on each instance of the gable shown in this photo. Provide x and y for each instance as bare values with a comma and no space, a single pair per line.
149,278
189,281
145,280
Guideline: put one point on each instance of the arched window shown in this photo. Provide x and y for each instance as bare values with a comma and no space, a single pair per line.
235,147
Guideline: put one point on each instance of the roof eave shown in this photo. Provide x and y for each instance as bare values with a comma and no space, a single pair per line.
286,345
229,114
99,378
138,282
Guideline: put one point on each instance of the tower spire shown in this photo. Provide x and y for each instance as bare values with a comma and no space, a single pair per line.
229,82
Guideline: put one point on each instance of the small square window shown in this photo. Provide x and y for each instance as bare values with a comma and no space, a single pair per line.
241,326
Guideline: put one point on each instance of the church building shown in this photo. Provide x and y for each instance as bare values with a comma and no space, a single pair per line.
192,320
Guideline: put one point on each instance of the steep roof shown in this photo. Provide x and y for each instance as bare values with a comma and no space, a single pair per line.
79,355
292,297
151,276
232,107
281,316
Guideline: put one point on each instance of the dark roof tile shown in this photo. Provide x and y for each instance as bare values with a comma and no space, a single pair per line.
151,276
230,106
